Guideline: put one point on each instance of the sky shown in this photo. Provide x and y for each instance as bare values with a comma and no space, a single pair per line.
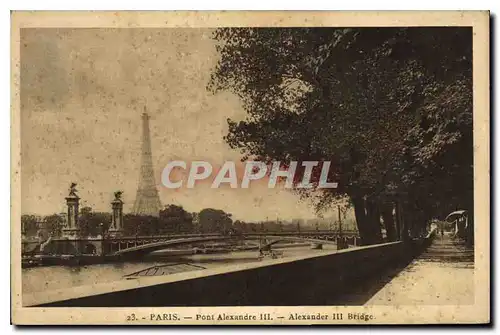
82,94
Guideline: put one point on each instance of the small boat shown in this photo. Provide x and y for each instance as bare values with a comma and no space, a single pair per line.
173,252
163,270
273,254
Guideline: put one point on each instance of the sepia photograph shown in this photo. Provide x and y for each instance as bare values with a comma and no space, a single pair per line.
250,168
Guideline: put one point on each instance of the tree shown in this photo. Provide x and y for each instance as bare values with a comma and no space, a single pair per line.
29,225
140,225
215,221
174,219
350,96
91,223
239,227
53,224
441,151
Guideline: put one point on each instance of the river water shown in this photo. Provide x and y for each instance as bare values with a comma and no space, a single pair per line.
48,278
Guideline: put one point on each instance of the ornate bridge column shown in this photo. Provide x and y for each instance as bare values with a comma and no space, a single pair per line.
116,228
71,229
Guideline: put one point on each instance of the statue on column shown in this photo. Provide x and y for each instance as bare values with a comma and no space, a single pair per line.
71,228
73,190
118,195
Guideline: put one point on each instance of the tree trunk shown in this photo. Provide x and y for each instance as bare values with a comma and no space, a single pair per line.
399,221
361,220
373,221
405,222
389,222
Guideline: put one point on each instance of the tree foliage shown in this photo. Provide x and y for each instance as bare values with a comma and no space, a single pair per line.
391,108
140,225
29,225
53,224
175,219
91,223
215,221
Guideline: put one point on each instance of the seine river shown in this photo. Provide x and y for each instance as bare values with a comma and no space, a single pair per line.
48,278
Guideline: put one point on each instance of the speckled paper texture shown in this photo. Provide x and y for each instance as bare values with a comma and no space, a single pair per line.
80,83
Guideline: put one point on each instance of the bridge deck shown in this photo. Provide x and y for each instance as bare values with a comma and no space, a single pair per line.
272,239
442,275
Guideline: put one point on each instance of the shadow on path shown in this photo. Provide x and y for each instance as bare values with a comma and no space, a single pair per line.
442,275
359,292
444,255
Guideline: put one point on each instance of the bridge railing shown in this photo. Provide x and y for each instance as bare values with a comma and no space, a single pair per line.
180,235
349,237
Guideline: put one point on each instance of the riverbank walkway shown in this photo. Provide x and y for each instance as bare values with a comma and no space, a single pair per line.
441,275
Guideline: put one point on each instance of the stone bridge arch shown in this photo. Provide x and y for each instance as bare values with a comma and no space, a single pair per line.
145,248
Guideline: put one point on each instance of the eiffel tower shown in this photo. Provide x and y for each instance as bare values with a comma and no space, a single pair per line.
147,201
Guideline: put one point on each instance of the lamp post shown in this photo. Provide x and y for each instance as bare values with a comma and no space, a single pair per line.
340,241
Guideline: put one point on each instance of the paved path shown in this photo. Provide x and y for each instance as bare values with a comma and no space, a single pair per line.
442,275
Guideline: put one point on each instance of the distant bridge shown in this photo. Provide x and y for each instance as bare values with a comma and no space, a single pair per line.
268,241
141,245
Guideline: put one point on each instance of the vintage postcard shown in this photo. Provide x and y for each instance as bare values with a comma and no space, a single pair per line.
250,168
